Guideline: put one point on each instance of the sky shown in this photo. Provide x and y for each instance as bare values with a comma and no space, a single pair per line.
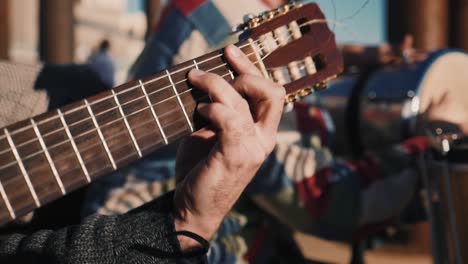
135,5
367,26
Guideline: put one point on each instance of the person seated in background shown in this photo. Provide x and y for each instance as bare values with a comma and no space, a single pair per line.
101,63
176,226
384,54
301,185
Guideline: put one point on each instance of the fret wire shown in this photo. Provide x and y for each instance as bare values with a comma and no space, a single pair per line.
259,59
89,131
21,166
111,109
135,143
153,80
108,110
196,66
48,157
111,159
153,112
131,155
70,111
126,90
7,202
203,61
75,148
232,74
93,145
180,101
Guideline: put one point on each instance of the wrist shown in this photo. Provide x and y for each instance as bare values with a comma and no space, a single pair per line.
189,220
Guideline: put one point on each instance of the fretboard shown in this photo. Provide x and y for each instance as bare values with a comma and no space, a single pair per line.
50,155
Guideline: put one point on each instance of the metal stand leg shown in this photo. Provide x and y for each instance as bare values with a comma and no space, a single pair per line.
451,213
439,249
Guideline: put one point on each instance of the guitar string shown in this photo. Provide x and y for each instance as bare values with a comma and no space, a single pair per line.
361,8
89,131
140,110
123,132
115,135
104,125
102,154
166,87
114,108
108,138
97,172
125,157
147,82
105,111
356,12
310,22
122,92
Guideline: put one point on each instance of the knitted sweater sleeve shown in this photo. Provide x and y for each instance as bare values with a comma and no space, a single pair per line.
144,235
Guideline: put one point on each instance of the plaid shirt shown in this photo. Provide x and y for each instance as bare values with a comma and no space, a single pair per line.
301,184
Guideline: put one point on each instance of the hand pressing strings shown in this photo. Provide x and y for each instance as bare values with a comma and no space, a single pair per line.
215,164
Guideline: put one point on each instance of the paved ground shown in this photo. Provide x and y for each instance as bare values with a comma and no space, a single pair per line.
394,255
331,252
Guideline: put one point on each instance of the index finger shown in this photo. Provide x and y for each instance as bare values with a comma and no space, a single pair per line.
240,61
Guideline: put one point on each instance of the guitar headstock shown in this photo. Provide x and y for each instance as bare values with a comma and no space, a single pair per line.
297,48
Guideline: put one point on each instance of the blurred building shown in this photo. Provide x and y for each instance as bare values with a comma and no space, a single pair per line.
23,35
123,22
66,31
434,24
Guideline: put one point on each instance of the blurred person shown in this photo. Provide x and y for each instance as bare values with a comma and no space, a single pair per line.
371,56
101,62
301,184
175,227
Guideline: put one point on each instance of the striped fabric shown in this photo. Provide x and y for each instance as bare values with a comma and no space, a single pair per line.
189,29
301,184
16,100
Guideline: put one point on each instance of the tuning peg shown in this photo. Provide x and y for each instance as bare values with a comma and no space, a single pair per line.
254,22
287,7
248,17
305,92
291,98
288,107
241,27
283,9
268,15
320,86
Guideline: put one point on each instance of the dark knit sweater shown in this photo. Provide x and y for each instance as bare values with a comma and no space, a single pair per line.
143,235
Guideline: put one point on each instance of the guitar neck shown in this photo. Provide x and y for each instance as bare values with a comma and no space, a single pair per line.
50,155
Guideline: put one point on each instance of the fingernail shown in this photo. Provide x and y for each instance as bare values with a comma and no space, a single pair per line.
201,105
196,72
235,51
